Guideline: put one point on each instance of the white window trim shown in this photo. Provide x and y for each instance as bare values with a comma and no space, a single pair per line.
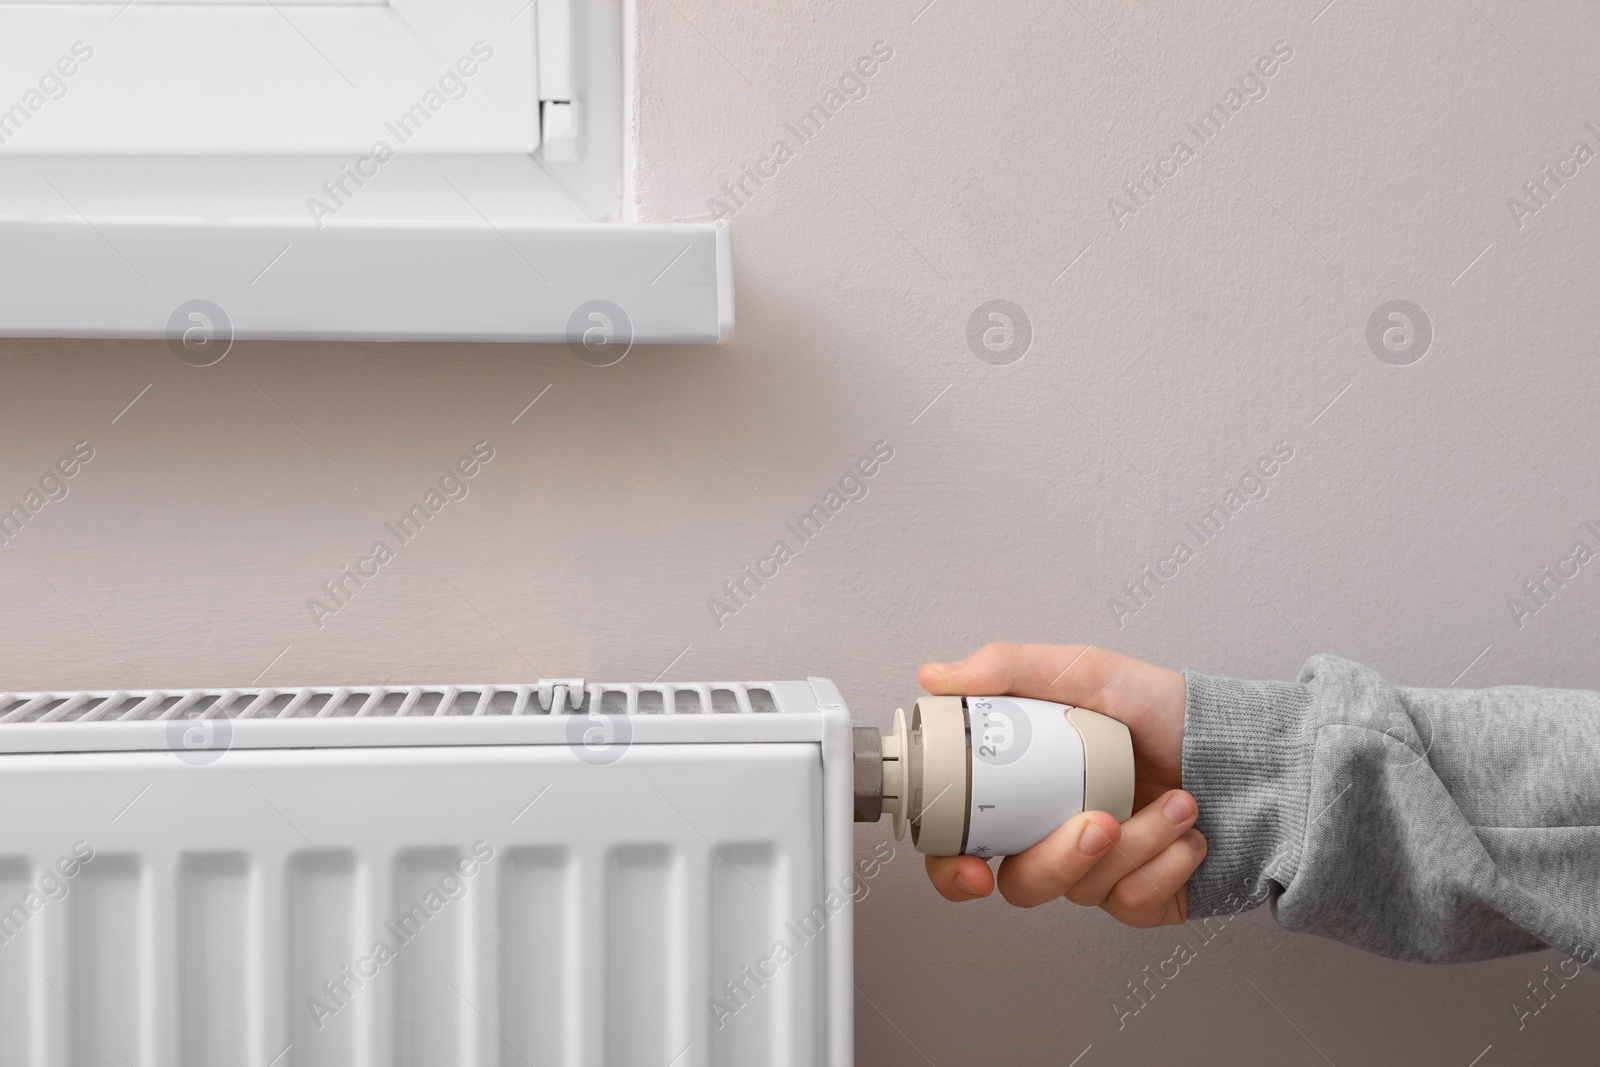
448,246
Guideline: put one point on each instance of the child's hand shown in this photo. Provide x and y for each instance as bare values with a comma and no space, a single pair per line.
1135,871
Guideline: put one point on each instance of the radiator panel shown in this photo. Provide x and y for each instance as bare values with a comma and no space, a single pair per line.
232,911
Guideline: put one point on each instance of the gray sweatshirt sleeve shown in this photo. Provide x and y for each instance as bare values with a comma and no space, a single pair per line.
1423,824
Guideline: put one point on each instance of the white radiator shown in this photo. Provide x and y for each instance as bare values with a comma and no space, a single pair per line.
359,877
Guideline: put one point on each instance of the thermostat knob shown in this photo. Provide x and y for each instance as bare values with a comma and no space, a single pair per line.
993,776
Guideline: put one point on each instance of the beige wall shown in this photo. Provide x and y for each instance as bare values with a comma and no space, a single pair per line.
1222,317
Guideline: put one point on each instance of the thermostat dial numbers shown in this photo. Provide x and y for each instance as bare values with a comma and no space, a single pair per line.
1026,771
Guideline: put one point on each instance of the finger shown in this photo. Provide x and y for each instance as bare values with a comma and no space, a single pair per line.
1144,837
1047,870
960,878
1154,894
1080,675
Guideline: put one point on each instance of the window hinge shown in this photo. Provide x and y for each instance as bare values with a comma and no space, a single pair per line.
560,103
559,130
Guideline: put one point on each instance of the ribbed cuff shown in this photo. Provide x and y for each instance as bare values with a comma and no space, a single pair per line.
1247,749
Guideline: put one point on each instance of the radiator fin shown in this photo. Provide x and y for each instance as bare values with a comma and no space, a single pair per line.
642,957
321,926
537,915
103,986
213,898
744,920
17,943
427,925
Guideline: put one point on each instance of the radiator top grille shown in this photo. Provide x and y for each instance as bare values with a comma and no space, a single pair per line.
565,696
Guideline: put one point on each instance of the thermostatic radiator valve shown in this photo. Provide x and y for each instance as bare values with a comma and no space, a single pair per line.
991,776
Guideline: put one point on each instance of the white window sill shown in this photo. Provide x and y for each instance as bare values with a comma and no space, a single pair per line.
449,249
457,236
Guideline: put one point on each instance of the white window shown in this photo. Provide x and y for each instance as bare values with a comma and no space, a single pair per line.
362,169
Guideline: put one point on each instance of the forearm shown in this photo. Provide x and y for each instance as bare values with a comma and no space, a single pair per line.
1422,824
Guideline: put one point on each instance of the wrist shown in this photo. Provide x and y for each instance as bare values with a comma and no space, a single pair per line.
1247,762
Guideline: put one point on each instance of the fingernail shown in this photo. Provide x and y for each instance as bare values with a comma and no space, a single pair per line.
1195,840
965,886
1093,840
1178,807
946,668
